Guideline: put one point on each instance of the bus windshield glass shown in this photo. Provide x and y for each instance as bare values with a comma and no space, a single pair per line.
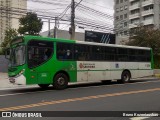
17,56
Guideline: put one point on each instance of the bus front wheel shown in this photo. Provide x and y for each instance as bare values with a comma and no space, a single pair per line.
60,81
125,77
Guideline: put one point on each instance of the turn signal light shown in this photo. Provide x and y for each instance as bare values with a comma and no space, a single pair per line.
32,76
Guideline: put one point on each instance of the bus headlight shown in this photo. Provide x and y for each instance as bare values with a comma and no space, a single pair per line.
21,72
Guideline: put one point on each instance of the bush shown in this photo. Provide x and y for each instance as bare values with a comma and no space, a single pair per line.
1,51
157,62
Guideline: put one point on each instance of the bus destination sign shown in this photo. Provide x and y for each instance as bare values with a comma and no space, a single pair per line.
15,41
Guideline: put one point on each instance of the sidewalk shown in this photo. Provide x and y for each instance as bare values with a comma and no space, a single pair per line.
4,82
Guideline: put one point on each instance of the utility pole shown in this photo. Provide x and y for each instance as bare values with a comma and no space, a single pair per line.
49,28
72,28
55,28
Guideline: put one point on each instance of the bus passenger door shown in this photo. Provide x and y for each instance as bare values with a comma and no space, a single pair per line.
40,53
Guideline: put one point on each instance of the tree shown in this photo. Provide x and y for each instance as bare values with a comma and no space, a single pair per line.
147,37
30,24
9,35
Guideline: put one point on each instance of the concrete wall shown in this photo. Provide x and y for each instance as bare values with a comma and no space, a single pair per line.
64,34
3,64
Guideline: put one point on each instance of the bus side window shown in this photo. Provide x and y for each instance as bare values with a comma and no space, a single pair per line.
76,54
83,52
60,54
47,53
68,54
39,52
81,57
65,51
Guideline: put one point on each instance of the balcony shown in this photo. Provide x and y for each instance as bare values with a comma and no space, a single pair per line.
148,2
133,25
131,0
133,16
148,22
135,6
148,12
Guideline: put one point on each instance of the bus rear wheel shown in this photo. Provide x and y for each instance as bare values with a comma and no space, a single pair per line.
44,86
60,81
125,77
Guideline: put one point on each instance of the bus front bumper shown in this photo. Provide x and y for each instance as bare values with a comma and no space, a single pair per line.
19,80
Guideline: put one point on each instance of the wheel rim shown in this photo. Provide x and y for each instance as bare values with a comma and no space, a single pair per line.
126,77
61,81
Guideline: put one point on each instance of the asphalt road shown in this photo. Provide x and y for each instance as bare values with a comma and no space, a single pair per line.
139,95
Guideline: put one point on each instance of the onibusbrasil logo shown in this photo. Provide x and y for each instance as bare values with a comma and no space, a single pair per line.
20,114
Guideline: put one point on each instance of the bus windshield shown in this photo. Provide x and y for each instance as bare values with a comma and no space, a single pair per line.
17,56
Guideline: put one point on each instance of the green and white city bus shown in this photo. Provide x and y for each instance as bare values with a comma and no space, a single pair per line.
45,61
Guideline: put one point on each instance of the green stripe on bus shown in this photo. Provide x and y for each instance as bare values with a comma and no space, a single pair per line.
111,70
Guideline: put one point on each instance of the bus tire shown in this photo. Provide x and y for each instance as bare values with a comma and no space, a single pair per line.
60,81
125,77
44,86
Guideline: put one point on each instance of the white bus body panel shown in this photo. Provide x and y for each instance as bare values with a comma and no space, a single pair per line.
92,71
96,71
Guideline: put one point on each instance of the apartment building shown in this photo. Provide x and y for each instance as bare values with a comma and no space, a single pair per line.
10,12
131,13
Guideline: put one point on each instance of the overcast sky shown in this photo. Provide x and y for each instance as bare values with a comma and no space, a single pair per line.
105,6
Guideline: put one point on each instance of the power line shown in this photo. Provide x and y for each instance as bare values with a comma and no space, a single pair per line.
78,4
79,21
64,12
97,5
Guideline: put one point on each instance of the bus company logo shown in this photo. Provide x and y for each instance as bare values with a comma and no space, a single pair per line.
86,65
81,65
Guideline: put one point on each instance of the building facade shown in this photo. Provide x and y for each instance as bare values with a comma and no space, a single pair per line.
131,13
10,12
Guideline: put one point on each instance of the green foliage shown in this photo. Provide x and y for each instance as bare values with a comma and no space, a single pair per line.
147,37
9,35
157,61
30,24
1,52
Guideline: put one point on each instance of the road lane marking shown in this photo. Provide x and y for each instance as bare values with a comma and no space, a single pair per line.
76,99
4,95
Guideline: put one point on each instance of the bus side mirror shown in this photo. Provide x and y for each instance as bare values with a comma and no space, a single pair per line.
7,53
